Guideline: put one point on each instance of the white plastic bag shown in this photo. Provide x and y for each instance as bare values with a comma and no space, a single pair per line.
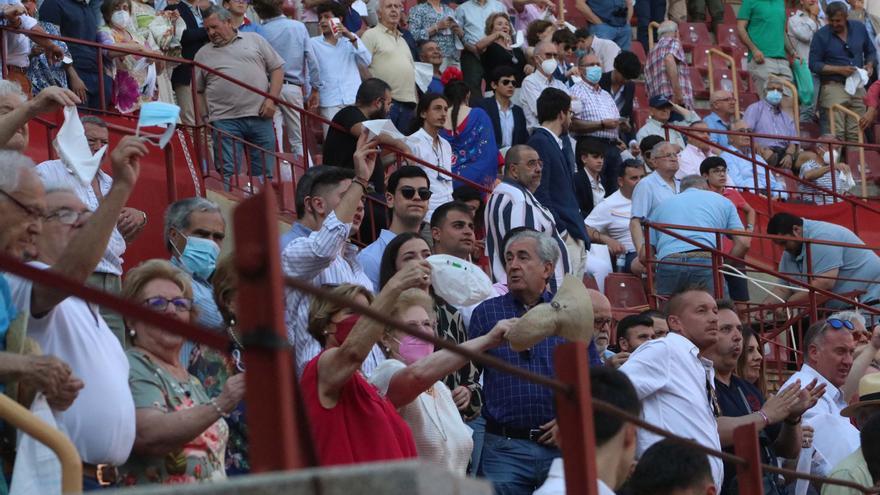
37,469
457,281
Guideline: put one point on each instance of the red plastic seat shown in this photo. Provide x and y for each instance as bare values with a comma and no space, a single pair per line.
590,282
637,48
701,92
625,290
700,34
641,93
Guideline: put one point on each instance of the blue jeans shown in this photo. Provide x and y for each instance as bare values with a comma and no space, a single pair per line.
93,96
672,278
254,130
515,467
622,35
402,115
479,427
647,11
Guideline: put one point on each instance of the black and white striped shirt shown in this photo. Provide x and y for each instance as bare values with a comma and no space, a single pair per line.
511,205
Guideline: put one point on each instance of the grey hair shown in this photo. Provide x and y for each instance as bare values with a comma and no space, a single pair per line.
690,181
548,251
220,12
849,315
12,164
178,213
659,146
667,27
12,88
94,120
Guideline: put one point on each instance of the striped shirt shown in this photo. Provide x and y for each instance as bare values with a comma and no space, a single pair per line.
322,257
596,106
510,206
54,173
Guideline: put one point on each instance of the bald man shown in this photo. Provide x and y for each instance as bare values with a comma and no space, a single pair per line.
544,61
602,320
723,114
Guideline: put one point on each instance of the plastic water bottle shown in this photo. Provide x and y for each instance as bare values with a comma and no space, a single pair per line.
621,263
692,33
726,83
732,38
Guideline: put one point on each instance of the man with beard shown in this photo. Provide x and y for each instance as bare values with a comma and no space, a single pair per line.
674,381
777,419
408,193
372,102
329,209
833,268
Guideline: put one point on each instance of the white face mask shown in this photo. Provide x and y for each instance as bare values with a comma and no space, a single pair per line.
120,19
548,66
827,157
73,147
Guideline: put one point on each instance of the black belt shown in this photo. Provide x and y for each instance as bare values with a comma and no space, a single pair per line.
532,434
290,81
404,104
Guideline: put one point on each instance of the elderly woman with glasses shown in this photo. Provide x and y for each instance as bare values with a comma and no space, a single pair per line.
181,433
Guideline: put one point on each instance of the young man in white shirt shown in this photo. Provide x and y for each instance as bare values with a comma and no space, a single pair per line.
608,223
615,439
427,144
674,382
670,468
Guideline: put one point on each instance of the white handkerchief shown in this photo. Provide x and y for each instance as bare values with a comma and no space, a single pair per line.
73,147
856,80
424,75
519,41
382,126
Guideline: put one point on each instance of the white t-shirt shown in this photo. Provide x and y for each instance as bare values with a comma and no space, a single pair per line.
611,217
555,483
440,435
101,421
18,46
671,378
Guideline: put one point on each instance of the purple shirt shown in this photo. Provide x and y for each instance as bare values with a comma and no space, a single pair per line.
764,118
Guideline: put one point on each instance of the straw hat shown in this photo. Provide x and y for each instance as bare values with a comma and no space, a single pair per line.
869,394
569,315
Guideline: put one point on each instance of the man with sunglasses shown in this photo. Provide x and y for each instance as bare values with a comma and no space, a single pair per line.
828,359
407,197
100,421
508,119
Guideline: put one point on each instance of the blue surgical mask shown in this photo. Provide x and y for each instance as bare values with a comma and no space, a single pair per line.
774,97
593,74
199,256
157,113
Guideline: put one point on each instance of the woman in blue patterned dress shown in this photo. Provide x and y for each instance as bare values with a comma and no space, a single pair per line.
469,131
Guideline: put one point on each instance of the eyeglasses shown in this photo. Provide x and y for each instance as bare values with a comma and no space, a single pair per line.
838,324
507,82
409,192
601,322
34,213
181,304
67,216
532,163
663,157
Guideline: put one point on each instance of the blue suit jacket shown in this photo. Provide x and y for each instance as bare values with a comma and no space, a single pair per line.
557,191
520,131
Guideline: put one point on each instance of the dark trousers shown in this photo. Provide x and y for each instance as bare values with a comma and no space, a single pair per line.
401,115
613,164
472,71
93,96
648,11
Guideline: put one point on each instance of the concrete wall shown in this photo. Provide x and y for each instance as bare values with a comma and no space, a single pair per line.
392,478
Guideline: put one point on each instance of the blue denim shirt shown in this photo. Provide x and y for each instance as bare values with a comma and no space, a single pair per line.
828,48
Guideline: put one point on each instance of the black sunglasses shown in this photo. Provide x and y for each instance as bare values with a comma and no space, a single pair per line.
507,82
409,192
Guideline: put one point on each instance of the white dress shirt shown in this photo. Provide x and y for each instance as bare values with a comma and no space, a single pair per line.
54,173
436,151
555,483
505,118
611,217
340,78
835,437
532,87
18,46
671,380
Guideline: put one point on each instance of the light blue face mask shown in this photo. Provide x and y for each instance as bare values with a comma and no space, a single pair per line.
593,74
157,113
774,97
199,256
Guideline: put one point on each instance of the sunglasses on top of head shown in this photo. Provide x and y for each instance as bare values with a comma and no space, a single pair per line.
409,192
838,324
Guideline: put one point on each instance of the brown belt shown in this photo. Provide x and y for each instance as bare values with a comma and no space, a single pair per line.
105,474
15,68
691,254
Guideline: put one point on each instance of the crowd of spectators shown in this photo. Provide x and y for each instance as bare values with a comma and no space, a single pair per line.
531,162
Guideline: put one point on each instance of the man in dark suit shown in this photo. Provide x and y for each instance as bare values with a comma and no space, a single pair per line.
192,38
557,191
508,120
619,83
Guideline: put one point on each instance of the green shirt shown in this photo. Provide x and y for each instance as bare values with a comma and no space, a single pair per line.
199,460
766,25
853,468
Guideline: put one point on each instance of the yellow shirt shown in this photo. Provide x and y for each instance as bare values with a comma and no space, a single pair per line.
853,468
392,62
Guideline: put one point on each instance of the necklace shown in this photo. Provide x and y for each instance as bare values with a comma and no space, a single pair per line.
437,423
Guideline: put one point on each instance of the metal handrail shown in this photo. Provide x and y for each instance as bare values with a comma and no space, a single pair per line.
71,463
831,116
651,27
733,74
795,105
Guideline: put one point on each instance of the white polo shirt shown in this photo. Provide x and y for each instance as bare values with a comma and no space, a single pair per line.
101,421
611,217
671,378
834,437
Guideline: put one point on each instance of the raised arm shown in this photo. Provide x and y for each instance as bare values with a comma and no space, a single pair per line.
861,363
411,381
48,100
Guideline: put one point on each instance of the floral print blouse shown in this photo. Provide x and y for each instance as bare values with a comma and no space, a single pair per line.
423,16
199,460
